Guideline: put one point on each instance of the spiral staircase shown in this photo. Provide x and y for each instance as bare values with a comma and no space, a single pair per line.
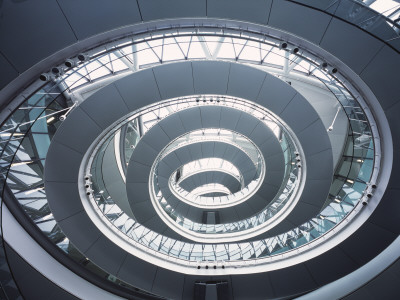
199,149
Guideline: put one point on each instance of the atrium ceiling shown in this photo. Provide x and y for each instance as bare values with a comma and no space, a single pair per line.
206,149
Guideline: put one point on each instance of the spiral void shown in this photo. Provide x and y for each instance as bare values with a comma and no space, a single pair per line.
191,160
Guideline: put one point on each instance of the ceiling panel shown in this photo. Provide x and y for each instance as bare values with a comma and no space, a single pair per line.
168,284
254,11
210,77
144,153
321,163
191,119
104,253
255,286
292,280
62,170
180,84
70,133
386,215
139,89
308,141
290,17
156,138
392,115
64,192
341,36
41,29
316,192
360,246
156,224
260,135
137,173
143,211
72,227
229,118
302,213
247,124
331,265
275,94
210,116
387,64
172,126
129,272
140,192
7,73
328,5
105,106
154,9
245,82
299,114
86,20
